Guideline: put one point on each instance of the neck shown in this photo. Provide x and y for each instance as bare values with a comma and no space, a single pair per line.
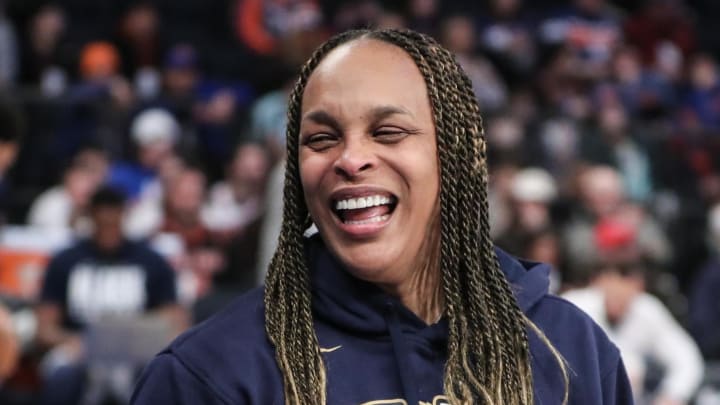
421,294
422,291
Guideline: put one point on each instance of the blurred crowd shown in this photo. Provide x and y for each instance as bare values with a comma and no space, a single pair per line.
150,135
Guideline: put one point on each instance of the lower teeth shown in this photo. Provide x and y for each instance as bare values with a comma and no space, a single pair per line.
369,220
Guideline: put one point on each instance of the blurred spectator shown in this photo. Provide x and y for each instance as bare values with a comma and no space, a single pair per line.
44,53
99,61
704,308
65,205
644,331
424,16
389,19
207,110
563,91
268,119
238,200
532,192
670,64
146,213
500,197
268,115
272,222
642,91
261,25
235,211
356,14
97,106
9,345
215,116
611,144
523,105
458,35
507,34
154,133
180,80
701,104
529,234
182,215
543,246
590,29
11,133
506,135
660,24
234,214
606,220
555,146
138,40
105,275
183,203
9,57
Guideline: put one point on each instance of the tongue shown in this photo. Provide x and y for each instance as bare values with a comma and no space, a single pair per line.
364,213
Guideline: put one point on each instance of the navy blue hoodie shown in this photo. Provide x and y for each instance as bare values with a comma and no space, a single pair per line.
375,349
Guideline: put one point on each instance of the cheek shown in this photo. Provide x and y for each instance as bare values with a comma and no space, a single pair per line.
429,187
429,174
423,179
311,177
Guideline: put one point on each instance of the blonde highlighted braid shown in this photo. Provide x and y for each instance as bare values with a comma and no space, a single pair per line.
488,352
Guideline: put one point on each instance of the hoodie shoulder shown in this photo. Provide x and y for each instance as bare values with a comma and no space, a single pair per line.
565,325
597,374
228,355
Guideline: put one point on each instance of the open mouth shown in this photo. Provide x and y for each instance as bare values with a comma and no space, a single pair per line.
364,210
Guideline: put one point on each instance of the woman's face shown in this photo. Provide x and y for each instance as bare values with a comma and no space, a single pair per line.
368,159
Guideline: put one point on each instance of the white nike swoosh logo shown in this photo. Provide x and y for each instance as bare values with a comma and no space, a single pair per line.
329,349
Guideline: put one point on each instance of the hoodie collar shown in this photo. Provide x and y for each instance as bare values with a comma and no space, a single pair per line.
361,307
352,304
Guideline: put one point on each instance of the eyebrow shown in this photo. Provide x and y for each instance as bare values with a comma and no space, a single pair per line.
322,117
378,113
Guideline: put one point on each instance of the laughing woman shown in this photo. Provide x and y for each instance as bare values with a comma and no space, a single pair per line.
400,298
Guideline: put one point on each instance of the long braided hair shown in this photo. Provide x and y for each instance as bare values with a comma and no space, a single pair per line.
488,353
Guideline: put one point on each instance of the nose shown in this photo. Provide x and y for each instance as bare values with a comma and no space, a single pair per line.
356,158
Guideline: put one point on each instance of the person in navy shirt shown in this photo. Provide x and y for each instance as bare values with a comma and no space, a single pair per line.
104,275
400,296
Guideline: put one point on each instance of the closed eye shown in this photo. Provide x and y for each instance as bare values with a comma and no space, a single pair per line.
320,141
388,134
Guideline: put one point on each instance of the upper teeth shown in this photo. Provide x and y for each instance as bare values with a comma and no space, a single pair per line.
362,202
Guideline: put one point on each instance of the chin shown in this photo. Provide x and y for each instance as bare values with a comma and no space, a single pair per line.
367,262
370,272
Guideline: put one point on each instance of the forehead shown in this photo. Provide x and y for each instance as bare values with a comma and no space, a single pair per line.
366,72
